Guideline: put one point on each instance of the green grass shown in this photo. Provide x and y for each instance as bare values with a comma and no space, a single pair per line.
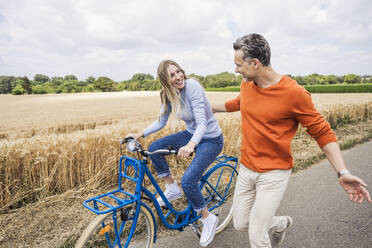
332,88
340,88
226,89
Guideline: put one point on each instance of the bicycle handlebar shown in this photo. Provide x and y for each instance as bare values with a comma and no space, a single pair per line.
161,151
134,146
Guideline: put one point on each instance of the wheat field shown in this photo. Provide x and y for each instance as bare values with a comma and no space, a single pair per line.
52,143
35,113
58,149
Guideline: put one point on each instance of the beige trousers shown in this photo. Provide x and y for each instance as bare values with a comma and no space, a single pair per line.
257,197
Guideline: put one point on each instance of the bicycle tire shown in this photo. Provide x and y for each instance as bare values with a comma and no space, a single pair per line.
143,237
219,179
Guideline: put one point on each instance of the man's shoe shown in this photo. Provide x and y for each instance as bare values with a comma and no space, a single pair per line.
278,237
209,229
172,192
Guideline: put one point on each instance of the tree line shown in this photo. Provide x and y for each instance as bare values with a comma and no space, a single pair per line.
42,84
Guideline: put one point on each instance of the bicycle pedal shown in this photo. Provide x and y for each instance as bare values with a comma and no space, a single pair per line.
124,214
217,198
195,228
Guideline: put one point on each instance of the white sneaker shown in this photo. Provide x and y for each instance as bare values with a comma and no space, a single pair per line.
209,229
172,192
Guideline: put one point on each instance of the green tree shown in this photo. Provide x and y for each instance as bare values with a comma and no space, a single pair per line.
331,79
352,79
34,83
340,79
104,84
222,79
38,89
7,83
299,80
80,84
124,85
312,79
70,77
88,88
90,80
26,84
322,80
48,86
141,77
41,78
18,90
151,85
68,86
134,86
199,78
56,81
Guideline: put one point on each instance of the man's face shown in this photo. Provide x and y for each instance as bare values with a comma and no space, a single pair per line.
243,67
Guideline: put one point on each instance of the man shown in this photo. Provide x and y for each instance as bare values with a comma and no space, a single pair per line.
271,107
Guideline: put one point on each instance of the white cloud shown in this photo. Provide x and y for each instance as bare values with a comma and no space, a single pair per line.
118,38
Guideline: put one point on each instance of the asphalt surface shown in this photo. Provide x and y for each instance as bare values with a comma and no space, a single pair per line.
323,216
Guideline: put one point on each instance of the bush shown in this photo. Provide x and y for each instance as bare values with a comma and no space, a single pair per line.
68,87
220,80
104,84
340,88
39,89
18,90
88,88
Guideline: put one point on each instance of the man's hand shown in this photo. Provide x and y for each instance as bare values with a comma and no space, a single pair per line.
186,150
355,188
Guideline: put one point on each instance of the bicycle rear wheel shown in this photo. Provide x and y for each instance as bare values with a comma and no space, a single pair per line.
101,231
219,189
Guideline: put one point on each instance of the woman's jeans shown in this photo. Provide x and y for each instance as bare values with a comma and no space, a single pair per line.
205,153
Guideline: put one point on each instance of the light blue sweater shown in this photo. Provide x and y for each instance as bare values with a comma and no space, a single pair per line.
196,113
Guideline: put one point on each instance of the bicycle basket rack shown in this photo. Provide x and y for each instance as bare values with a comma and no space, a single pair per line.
113,200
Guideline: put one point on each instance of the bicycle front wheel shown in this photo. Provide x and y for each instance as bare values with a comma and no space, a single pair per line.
218,190
101,231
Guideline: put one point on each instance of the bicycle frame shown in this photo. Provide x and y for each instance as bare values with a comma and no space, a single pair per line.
182,218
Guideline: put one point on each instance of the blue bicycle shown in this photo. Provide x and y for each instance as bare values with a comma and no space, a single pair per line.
125,220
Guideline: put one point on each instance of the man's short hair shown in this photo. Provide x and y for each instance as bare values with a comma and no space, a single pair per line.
254,46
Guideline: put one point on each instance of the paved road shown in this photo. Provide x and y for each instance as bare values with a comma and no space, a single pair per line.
323,215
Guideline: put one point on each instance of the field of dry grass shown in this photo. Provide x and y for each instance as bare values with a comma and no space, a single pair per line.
55,150
31,114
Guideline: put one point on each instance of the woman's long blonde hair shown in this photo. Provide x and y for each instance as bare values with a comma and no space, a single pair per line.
169,93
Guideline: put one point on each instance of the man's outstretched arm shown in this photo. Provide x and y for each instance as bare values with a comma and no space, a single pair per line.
216,108
354,186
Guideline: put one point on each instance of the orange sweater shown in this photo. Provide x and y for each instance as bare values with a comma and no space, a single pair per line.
270,118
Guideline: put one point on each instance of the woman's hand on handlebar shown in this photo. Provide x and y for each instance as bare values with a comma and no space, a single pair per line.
135,135
186,150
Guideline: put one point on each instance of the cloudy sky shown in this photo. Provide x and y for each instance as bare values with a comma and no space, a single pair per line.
118,38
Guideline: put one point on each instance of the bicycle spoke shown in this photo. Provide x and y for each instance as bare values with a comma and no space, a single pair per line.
105,231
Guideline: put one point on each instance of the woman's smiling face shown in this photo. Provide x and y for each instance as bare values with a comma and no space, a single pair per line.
176,77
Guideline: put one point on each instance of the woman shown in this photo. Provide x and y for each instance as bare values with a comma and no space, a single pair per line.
184,98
